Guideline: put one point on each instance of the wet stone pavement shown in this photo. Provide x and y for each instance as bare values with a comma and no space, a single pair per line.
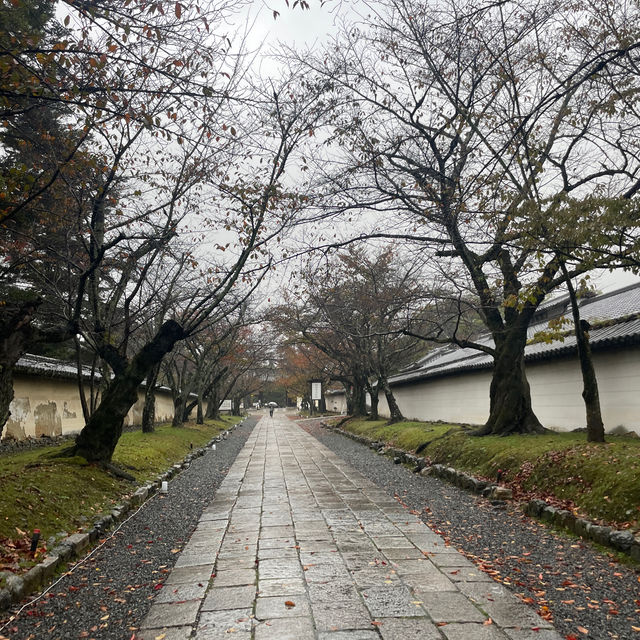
297,545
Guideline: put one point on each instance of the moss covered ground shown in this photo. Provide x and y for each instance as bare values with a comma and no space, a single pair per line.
41,490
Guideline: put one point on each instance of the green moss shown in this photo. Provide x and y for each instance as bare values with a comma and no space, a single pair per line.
54,494
601,481
404,435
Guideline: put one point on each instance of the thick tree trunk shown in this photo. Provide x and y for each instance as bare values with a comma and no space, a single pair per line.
213,405
359,398
395,415
200,412
179,403
6,392
236,406
15,334
97,441
149,409
373,393
510,396
348,391
595,425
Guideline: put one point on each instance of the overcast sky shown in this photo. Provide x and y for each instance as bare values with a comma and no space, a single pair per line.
313,28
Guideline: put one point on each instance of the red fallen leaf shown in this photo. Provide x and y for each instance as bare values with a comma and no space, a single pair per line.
441,624
158,586
613,612
487,622
571,637
289,604
376,623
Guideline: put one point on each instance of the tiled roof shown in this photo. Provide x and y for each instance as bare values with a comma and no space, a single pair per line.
52,368
618,304
30,363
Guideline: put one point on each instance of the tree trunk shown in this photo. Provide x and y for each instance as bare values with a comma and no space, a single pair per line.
359,398
149,409
200,412
595,425
510,396
86,413
236,406
348,392
373,393
395,415
97,441
179,403
213,405
6,392
15,334
188,408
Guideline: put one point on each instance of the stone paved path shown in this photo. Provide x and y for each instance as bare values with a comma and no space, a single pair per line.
297,545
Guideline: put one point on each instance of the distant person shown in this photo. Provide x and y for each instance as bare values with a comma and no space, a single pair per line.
271,411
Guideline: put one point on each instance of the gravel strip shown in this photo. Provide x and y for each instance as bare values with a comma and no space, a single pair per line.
107,596
587,593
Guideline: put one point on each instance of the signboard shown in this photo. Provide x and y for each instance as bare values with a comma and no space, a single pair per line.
225,405
316,390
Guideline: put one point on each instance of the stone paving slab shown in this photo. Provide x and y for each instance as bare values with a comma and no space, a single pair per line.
297,545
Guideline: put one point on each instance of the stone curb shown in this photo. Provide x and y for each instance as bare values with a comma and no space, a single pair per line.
620,540
73,546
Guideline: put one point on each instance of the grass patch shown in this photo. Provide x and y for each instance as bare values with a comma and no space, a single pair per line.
42,491
601,482
403,435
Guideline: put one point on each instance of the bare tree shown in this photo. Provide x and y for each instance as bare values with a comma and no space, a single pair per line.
354,309
486,129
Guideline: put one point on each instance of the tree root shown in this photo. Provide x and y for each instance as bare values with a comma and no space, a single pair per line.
522,430
117,472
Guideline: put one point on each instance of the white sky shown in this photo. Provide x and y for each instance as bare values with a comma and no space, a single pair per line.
302,28
314,27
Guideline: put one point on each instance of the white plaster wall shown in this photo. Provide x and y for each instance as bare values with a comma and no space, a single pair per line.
556,388
51,406
453,398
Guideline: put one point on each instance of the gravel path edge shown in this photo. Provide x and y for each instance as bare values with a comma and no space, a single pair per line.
619,540
77,545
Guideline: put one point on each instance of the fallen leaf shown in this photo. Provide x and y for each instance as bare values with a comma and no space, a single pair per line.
289,604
